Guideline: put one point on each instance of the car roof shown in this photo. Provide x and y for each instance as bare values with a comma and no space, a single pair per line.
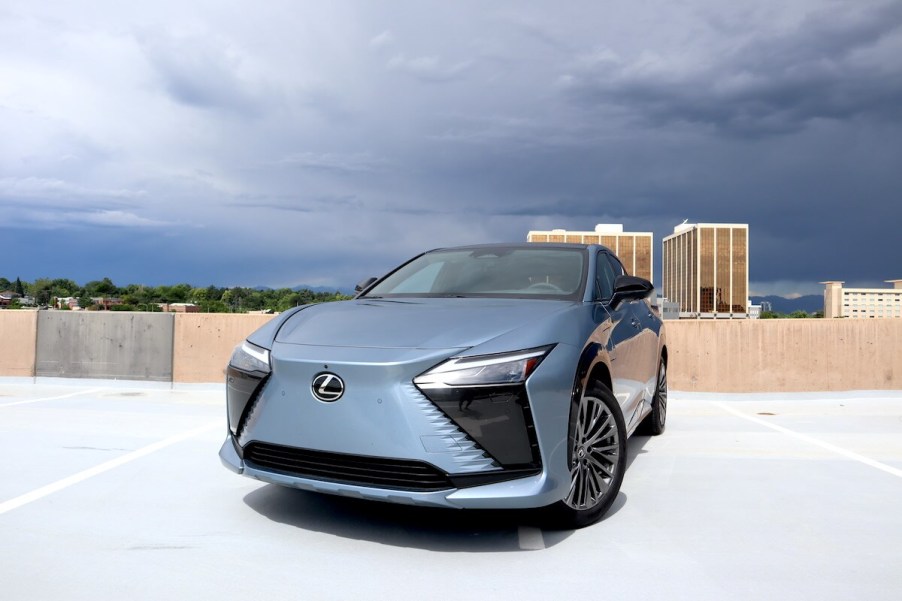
525,245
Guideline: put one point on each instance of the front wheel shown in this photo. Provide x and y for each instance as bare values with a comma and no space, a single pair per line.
596,458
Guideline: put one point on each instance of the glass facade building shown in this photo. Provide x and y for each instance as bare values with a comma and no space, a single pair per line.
706,269
634,249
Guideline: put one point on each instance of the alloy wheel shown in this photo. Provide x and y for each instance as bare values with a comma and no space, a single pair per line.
662,395
594,456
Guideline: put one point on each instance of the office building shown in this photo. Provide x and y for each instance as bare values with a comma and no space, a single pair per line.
706,269
754,311
862,302
634,249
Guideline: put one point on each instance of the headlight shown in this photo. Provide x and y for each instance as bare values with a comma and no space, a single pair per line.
484,370
250,357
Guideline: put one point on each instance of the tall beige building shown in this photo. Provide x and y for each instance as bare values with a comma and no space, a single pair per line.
634,249
862,302
706,269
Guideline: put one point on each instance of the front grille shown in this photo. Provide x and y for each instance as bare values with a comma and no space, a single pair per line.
379,472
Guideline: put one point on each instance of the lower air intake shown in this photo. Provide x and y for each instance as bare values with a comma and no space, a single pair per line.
376,472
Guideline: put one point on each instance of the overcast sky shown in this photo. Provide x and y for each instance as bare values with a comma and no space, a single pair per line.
285,142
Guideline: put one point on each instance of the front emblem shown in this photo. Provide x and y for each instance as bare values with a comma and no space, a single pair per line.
327,387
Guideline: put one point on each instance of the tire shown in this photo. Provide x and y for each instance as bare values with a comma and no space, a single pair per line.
657,419
596,457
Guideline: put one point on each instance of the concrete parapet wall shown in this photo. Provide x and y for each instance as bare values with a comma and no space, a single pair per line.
780,355
18,333
785,355
204,342
106,345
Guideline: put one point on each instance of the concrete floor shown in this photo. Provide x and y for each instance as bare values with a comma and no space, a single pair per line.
115,491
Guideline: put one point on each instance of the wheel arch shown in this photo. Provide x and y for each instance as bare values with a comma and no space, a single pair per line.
593,369
600,374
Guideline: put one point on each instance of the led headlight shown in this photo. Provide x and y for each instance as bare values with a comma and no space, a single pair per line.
246,374
484,370
250,358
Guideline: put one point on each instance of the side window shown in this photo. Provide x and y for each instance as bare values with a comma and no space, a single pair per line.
617,265
604,278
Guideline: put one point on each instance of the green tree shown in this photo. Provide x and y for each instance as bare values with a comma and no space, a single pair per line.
19,289
287,301
104,287
200,297
254,300
173,294
214,293
63,287
42,291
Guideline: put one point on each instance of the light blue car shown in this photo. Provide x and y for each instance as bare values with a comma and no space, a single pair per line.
497,376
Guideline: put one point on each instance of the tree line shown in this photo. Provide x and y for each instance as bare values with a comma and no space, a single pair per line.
137,297
794,315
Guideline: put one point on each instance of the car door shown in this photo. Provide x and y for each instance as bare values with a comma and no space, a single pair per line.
645,346
623,344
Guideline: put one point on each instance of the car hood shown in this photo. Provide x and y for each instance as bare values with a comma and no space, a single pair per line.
422,323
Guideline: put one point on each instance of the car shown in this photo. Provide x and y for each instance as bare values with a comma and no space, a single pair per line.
501,376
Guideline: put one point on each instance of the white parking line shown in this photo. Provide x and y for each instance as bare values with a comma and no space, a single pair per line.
103,467
51,398
811,440
530,538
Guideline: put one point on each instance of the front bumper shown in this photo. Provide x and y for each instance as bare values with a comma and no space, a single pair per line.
377,420
524,492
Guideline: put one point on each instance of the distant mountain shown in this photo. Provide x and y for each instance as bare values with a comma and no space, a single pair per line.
810,303
343,290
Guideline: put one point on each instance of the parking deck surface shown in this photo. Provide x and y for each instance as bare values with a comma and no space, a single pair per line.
115,491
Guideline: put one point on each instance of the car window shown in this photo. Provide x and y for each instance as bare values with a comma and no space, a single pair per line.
490,271
424,279
604,278
617,266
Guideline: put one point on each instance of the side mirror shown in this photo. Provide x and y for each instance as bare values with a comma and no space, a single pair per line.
364,284
628,287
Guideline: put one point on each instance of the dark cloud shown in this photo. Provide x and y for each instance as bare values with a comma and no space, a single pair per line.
298,204
324,142
830,66
199,73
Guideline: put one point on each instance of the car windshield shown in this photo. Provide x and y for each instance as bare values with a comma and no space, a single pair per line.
505,272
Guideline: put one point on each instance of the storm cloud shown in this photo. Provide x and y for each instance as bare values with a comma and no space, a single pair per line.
215,142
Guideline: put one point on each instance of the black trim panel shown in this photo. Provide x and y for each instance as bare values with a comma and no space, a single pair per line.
498,418
362,470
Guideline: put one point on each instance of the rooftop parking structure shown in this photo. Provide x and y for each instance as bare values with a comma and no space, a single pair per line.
114,489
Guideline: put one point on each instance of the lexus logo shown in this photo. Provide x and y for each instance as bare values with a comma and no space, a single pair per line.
327,387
